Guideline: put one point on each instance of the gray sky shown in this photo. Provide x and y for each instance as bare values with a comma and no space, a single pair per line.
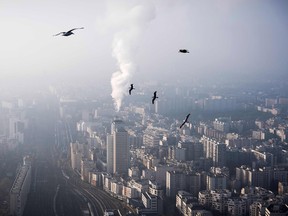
224,37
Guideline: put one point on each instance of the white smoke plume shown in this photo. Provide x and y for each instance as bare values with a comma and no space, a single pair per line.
125,43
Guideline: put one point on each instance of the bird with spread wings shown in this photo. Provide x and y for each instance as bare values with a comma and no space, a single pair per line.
185,121
154,97
131,88
68,33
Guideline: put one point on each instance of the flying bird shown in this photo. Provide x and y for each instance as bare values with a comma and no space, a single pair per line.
68,33
131,88
154,97
183,51
185,121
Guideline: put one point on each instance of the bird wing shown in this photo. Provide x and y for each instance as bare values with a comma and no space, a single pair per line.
182,124
75,29
59,33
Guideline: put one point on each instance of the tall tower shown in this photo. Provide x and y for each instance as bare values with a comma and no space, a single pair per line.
117,149
109,141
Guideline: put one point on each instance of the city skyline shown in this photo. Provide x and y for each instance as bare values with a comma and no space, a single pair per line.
144,107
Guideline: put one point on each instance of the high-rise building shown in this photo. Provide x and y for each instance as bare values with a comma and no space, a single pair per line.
216,181
219,155
214,150
109,142
178,180
175,181
78,151
153,204
117,149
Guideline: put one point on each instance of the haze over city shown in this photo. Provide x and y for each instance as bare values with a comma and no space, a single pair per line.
225,38
144,107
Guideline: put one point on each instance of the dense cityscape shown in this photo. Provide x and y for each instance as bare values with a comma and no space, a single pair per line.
144,108
66,151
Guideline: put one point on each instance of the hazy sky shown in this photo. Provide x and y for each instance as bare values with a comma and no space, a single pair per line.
224,37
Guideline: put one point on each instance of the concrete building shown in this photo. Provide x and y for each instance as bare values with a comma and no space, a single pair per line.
193,183
222,124
261,177
185,200
214,150
215,199
179,180
160,173
153,204
194,150
236,207
216,181
177,153
78,151
259,135
156,189
255,209
219,155
203,213
109,142
242,175
141,186
116,187
219,200
118,149
130,192
134,172
175,181
282,188
276,210
95,178
86,167
217,103
16,129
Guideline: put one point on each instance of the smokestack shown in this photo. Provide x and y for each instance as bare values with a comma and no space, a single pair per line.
124,48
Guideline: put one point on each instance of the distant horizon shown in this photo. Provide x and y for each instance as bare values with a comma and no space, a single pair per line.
228,41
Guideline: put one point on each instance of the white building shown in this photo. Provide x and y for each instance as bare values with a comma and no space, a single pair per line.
216,181
182,198
86,167
95,178
152,204
237,207
78,150
175,181
130,192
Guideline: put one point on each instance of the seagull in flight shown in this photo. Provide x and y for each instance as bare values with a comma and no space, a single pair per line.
154,97
183,51
68,33
131,88
185,121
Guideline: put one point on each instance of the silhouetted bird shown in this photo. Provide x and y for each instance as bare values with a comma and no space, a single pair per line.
68,33
154,97
131,88
183,51
185,121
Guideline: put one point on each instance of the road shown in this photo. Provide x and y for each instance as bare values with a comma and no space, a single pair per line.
56,189
48,194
